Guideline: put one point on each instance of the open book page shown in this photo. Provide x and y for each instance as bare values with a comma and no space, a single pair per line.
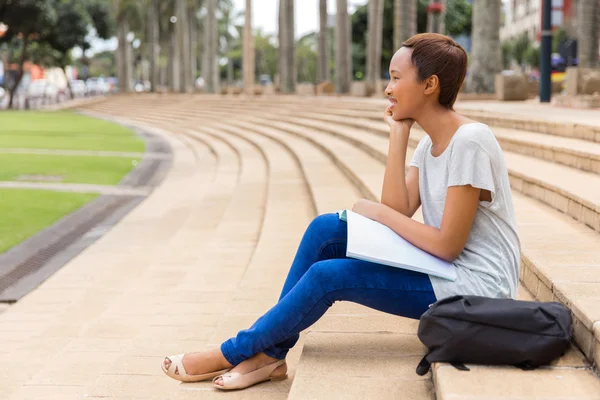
369,240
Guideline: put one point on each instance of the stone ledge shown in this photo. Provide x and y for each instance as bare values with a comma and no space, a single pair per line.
572,130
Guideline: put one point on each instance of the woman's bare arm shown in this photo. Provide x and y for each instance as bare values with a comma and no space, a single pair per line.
400,190
449,240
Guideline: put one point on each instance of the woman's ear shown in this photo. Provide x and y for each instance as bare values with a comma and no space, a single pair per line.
431,84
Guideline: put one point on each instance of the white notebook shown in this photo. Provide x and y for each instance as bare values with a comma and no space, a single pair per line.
369,240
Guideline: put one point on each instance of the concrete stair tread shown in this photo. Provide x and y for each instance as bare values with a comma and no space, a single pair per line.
528,110
533,140
550,271
73,299
508,383
574,185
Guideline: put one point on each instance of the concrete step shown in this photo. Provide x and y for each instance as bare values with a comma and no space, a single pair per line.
338,316
58,323
586,242
576,153
349,316
566,189
583,327
578,124
540,261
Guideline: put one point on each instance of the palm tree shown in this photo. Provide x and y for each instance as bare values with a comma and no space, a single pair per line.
125,11
588,29
405,21
287,53
323,68
210,71
153,42
183,47
486,53
192,13
343,66
374,35
248,44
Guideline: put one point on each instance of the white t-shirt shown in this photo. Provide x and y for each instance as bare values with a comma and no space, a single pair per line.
489,264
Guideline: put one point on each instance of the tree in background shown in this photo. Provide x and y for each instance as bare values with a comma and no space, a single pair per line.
29,22
75,17
458,22
486,52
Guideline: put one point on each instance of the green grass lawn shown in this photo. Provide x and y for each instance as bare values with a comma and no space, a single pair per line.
26,212
73,169
64,130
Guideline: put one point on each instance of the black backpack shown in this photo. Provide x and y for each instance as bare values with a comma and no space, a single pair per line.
484,330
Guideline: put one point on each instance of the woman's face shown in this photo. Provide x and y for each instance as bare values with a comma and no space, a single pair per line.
404,91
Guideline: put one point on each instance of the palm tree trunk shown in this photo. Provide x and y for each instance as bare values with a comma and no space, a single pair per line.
343,66
123,56
210,70
282,32
405,23
486,53
371,42
193,29
291,54
287,56
175,59
248,51
183,47
323,68
379,42
588,27
375,37
153,46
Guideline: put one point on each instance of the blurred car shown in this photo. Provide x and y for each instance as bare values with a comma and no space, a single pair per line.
97,86
265,80
78,88
41,88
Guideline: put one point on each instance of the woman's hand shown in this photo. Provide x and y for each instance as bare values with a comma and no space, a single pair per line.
404,124
367,208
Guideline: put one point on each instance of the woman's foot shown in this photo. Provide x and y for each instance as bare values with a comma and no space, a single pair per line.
253,363
201,362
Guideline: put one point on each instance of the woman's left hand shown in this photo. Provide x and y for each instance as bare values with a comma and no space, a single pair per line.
367,208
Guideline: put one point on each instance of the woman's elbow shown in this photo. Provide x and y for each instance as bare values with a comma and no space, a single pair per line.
450,253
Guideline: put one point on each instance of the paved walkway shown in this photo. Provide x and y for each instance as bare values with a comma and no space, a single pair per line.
78,188
206,254
84,153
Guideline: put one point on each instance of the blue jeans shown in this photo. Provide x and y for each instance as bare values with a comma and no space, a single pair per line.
320,275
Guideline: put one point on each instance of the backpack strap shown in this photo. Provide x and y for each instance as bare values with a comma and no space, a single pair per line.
423,366
459,366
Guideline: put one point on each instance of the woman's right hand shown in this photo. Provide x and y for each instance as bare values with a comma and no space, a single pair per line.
404,124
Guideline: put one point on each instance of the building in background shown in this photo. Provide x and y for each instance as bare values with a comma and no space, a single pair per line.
525,16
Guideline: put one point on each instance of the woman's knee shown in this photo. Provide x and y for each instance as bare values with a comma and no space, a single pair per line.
327,226
324,273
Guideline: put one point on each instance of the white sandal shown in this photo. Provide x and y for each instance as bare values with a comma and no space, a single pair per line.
235,380
181,375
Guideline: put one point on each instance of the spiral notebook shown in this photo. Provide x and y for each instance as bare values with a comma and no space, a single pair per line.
369,240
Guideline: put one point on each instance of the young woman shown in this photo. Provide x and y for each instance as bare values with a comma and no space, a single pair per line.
459,177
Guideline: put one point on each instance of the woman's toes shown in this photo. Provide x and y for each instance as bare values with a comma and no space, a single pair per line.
167,363
219,382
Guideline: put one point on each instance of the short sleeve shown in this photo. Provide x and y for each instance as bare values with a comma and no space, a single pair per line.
417,159
470,164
